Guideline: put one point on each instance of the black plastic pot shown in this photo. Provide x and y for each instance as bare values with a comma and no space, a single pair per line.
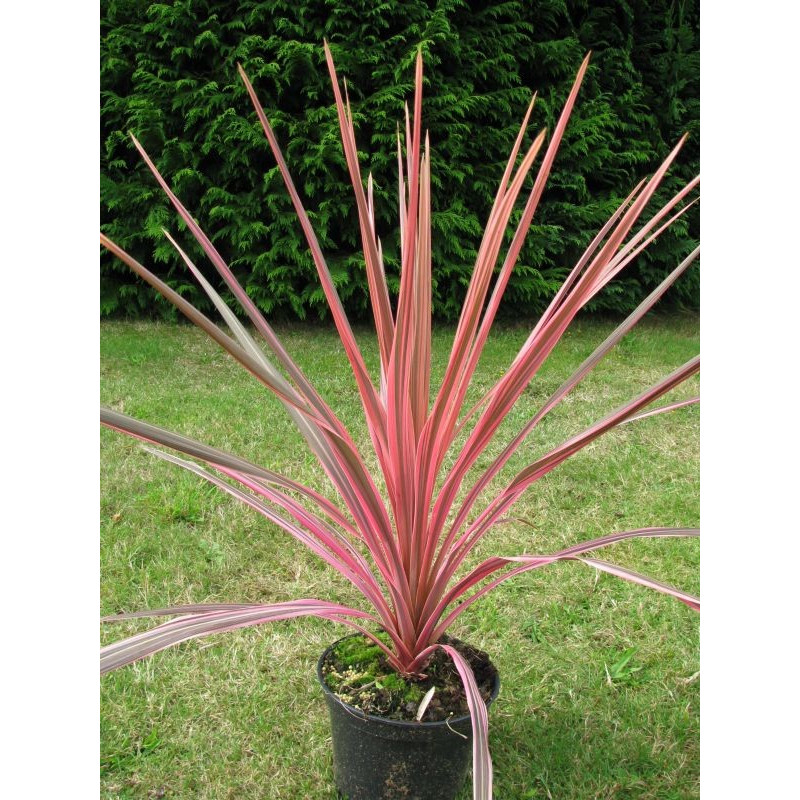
386,759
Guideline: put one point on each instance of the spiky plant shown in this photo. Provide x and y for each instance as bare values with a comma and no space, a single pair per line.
404,554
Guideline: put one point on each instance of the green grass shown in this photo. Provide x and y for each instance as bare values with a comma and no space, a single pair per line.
599,696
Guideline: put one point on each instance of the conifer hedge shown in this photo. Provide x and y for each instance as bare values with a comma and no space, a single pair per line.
168,74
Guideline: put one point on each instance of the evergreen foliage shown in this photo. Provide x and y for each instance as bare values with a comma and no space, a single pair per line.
168,74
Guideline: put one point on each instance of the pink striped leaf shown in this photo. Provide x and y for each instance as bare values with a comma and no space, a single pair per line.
341,440
384,554
481,760
372,408
450,557
574,274
351,477
173,611
635,241
420,378
313,434
245,358
459,369
310,433
479,718
436,626
349,473
323,540
663,409
296,374
195,625
628,254
437,432
154,434
524,223
401,440
358,479
548,334
636,577
376,280
510,387
547,462
219,459
447,494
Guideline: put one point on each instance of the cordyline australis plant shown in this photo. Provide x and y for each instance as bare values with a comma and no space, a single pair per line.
403,549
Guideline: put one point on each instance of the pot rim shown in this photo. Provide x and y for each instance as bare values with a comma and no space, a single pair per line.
399,723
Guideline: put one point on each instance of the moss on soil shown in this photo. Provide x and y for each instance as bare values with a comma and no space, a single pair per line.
357,671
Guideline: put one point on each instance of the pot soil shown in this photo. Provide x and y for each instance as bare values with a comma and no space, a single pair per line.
377,757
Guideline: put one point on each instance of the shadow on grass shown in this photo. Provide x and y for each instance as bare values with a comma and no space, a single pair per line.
577,747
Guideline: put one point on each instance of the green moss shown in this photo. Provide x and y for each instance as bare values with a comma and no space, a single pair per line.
410,692
357,651
359,664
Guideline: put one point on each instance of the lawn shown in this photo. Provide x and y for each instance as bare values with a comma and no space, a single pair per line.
239,715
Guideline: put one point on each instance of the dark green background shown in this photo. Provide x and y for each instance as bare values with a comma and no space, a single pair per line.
168,73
